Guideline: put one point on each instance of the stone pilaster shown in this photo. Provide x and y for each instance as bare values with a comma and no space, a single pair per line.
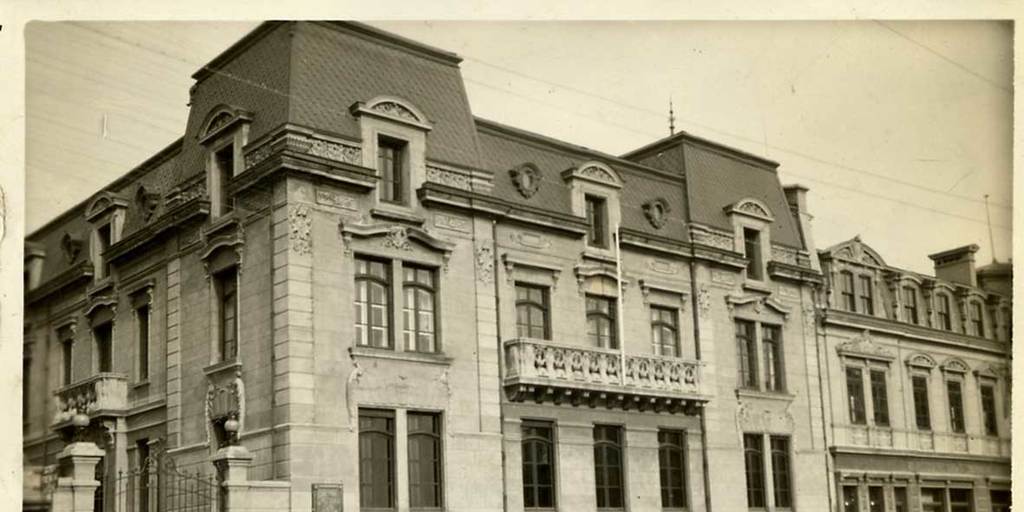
75,492
173,352
232,463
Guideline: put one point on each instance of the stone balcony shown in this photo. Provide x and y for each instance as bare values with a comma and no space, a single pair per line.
881,438
540,370
102,395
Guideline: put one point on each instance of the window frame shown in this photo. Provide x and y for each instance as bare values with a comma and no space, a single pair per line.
385,282
143,340
390,435
990,418
595,207
866,295
673,441
957,418
432,290
749,362
781,455
922,408
398,193
102,244
605,493
910,307
755,262
612,316
660,326
551,445
66,337
880,408
220,279
530,305
224,175
977,314
775,373
944,312
855,395
754,470
104,356
847,291
436,437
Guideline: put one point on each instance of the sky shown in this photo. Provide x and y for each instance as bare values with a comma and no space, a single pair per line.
899,129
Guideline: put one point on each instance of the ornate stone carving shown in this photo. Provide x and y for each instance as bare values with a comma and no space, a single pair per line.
656,211
531,240
390,108
722,277
954,365
452,222
218,122
336,199
526,178
704,301
71,246
750,418
753,208
254,157
662,266
921,361
865,346
784,254
711,237
397,238
810,316
350,388
597,173
336,151
484,263
300,222
147,202
448,178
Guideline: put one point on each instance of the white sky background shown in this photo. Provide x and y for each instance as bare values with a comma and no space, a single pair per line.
898,129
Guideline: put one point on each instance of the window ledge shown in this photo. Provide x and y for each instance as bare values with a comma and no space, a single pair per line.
140,384
756,285
384,353
770,395
222,367
396,212
606,255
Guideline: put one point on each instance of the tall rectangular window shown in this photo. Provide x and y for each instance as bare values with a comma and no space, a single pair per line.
960,500
922,413
851,500
532,312
746,342
855,392
988,409
665,330
956,405
944,320
602,318
373,299
753,458
672,466
847,292
782,482
597,221
933,499
142,335
104,238
420,309
390,165
425,460
227,291
867,299
376,459
876,499
752,250
977,319
909,304
880,397
608,466
26,386
66,343
899,499
145,472
104,336
1000,500
771,345
538,446
224,160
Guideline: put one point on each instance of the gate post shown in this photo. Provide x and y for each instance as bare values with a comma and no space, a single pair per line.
232,463
76,491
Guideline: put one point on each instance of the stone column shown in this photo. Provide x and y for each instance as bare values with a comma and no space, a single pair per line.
75,493
232,464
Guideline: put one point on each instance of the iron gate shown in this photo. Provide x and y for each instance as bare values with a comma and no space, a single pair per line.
157,485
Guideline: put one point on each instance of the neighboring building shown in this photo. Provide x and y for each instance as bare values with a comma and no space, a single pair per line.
919,381
392,304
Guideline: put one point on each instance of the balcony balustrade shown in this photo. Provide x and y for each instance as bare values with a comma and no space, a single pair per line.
540,370
104,394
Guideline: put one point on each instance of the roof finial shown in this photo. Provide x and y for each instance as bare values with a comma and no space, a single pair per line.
991,240
671,118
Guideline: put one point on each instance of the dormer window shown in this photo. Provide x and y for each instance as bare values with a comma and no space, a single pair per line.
106,216
391,166
597,221
752,250
977,319
224,170
867,300
224,132
846,290
103,240
943,318
910,304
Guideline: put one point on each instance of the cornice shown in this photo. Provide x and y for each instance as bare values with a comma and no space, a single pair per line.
81,272
919,333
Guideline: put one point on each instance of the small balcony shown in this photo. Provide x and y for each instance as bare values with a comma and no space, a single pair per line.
102,395
543,371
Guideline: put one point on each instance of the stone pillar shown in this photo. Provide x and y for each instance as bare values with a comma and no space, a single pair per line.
75,492
232,464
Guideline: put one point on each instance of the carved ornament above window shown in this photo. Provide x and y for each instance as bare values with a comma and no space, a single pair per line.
526,178
751,208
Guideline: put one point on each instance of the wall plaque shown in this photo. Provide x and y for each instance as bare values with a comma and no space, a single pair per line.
327,498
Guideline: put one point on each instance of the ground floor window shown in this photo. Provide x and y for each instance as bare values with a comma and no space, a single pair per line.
1000,500
538,465
608,466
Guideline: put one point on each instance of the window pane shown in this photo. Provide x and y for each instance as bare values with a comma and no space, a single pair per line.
608,466
390,167
921,407
672,464
664,331
601,318
376,459
876,499
933,499
531,311
752,250
372,303
597,221
880,397
851,503
142,320
781,480
899,498
425,483
103,335
855,392
867,303
960,500
772,346
753,449
956,406
746,343
538,465
988,409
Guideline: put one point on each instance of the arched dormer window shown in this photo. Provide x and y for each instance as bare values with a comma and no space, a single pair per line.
943,311
910,303
976,312
394,134
595,191
223,132
752,220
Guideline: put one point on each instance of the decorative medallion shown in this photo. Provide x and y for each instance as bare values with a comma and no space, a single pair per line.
662,266
531,240
71,247
526,178
300,222
485,263
147,202
657,211
398,238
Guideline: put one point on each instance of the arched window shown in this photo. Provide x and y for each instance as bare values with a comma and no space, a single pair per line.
419,308
944,319
978,318
376,459
608,466
601,317
373,288
425,489
538,465
532,311
672,462
665,331
910,304
753,455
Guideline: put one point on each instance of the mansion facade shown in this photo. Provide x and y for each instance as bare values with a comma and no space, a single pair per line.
341,280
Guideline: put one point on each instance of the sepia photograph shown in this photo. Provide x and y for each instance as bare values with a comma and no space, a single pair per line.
329,265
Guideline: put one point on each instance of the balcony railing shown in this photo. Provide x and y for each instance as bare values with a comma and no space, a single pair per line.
921,440
104,394
540,370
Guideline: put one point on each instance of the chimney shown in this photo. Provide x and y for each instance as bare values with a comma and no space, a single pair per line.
956,265
796,196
